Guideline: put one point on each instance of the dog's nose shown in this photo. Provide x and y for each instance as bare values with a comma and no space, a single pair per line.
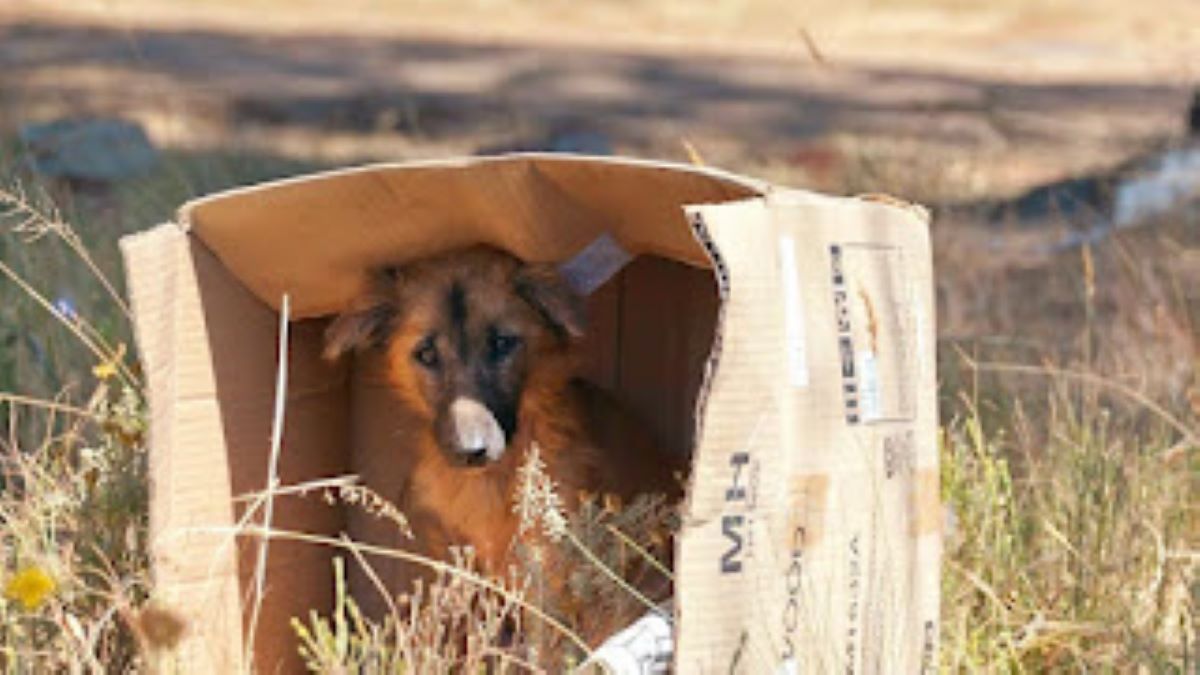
474,456
479,435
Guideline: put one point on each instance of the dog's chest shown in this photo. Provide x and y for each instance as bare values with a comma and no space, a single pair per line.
469,508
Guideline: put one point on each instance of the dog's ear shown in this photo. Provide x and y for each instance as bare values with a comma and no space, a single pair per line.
547,292
369,318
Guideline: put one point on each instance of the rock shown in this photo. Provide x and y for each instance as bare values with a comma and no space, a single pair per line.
1157,185
566,138
1077,202
581,142
99,150
1137,192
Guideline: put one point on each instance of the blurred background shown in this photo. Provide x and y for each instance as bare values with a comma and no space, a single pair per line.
939,100
1057,143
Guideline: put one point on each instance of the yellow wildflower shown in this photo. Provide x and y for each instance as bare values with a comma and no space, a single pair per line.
105,370
30,587
108,368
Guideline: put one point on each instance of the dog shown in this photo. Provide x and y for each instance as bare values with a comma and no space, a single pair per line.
483,350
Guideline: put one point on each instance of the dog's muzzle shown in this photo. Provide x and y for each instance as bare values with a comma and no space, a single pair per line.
477,436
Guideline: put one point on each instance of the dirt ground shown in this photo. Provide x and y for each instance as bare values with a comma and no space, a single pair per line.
938,100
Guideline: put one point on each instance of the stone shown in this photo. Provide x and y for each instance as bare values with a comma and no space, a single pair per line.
97,150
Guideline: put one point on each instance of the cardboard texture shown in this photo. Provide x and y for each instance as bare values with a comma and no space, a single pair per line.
782,338
809,543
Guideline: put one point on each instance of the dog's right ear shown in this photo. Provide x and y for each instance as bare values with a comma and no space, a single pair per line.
547,292
368,320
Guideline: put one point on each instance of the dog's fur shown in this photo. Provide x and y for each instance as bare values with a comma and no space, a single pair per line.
481,345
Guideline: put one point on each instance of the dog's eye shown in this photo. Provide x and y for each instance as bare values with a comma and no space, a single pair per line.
426,354
501,346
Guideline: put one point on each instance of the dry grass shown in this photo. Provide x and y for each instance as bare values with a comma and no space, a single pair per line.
1075,544
448,625
1071,454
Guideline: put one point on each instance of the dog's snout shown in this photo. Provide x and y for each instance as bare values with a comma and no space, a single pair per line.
477,435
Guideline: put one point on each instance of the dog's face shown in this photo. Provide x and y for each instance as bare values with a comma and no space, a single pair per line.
464,332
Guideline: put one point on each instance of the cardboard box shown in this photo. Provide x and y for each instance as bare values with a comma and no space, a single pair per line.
783,338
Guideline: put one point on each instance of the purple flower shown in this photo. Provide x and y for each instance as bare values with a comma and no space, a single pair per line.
66,308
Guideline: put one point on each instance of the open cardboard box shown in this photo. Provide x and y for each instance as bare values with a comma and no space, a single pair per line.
783,338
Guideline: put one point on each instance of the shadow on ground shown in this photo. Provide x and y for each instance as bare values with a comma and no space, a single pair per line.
441,88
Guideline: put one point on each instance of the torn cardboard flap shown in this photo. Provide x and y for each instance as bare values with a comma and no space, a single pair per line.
806,545
782,338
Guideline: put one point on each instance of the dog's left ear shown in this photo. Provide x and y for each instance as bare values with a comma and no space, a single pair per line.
547,292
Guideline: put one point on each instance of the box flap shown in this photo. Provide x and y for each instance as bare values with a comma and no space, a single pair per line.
810,539
313,237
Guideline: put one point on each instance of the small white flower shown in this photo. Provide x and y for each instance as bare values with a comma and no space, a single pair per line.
537,502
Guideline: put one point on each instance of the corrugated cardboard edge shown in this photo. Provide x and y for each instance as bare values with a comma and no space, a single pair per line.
749,414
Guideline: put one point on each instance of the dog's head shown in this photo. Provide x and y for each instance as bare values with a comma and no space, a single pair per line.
464,334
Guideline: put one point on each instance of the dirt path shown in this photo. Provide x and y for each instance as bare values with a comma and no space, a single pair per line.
343,94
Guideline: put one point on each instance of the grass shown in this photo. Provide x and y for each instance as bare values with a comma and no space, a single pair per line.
418,636
1069,463
1075,539
73,482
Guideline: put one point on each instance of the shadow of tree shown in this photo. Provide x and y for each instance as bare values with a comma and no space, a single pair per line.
443,88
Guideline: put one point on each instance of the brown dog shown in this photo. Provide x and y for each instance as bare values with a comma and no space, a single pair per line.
482,348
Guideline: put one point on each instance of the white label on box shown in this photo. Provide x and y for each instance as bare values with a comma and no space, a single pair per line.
793,313
592,267
870,393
